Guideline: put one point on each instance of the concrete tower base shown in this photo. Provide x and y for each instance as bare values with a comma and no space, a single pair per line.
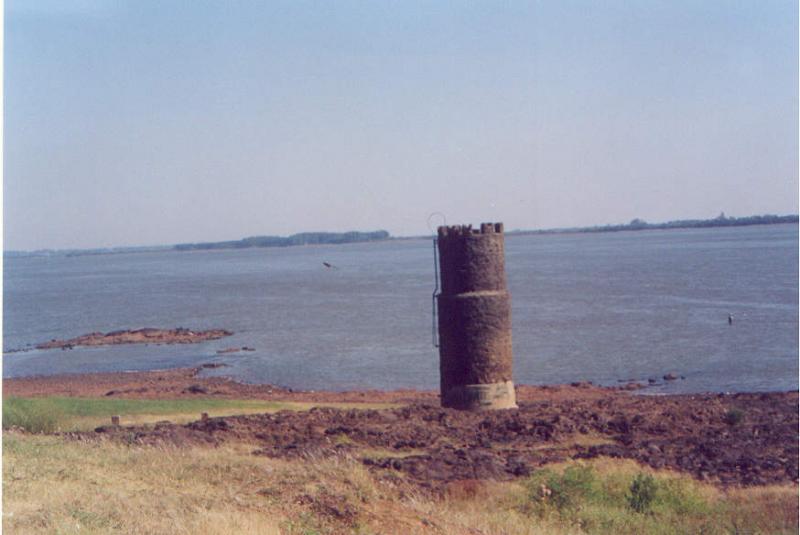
481,396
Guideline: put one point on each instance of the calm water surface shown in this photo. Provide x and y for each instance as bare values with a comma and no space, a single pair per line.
600,307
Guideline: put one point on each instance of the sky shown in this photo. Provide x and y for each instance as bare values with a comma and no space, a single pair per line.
149,122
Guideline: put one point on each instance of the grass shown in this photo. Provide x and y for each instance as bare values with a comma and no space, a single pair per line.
578,440
383,453
53,414
32,417
55,485
617,496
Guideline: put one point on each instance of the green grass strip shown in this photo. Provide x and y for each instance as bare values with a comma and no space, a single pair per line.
53,414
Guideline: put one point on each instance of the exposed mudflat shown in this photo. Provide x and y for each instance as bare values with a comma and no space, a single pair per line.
182,383
742,439
732,439
138,336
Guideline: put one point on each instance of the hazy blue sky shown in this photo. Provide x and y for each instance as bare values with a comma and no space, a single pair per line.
155,122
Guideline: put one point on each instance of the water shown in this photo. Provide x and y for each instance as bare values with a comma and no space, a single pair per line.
599,307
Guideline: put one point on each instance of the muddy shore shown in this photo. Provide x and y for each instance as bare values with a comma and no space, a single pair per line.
731,439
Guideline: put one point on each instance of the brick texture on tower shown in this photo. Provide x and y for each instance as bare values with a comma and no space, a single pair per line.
475,356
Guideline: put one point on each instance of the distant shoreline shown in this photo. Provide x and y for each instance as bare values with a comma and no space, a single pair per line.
339,238
638,224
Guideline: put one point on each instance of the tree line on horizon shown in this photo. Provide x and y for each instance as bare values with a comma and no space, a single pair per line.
303,238
319,238
639,224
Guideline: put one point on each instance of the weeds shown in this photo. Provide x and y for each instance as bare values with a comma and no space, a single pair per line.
734,417
621,501
642,493
562,492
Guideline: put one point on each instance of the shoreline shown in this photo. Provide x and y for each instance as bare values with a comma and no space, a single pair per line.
172,380
175,383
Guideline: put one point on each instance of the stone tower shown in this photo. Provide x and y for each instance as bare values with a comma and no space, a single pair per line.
475,359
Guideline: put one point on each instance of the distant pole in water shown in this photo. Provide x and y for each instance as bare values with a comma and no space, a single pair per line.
730,319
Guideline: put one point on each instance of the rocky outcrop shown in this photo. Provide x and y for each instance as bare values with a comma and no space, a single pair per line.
138,336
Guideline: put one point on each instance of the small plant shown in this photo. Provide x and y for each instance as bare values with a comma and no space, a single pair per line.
642,493
734,417
564,491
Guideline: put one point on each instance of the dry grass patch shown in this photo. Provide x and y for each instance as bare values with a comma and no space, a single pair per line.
576,440
55,485
382,453
771,509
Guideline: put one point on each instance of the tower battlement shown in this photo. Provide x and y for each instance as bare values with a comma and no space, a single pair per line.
467,230
472,260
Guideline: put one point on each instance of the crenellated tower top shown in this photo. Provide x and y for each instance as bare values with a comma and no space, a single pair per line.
472,260
467,230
